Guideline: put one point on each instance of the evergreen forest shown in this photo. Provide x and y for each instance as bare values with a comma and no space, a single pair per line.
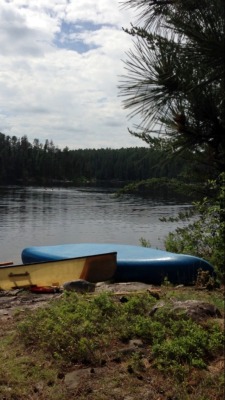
22,162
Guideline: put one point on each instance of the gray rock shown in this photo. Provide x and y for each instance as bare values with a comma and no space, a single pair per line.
194,309
197,310
135,343
158,305
73,379
39,386
80,286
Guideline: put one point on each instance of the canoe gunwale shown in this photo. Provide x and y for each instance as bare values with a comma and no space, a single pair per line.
35,263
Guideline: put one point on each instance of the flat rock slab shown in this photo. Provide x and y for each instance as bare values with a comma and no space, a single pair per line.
122,287
9,302
80,286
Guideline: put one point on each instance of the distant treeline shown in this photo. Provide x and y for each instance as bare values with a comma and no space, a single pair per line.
24,163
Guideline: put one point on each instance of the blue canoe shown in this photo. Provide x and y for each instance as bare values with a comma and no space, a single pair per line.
134,263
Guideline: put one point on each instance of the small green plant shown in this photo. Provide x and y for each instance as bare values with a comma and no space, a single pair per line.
105,304
136,362
144,242
166,281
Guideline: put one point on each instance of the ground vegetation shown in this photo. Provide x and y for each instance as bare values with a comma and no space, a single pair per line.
119,344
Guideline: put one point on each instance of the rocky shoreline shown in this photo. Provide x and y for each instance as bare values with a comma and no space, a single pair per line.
24,299
21,300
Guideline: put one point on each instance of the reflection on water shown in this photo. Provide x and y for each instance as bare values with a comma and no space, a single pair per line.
45,216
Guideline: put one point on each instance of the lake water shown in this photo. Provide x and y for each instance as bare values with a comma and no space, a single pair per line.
35,216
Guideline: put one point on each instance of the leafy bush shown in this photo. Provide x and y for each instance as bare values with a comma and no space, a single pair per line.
67,328
83,328
186,343
205,236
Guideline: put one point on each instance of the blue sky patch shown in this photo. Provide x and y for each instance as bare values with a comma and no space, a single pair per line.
70,36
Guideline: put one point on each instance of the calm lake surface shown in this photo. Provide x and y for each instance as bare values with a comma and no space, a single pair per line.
35,216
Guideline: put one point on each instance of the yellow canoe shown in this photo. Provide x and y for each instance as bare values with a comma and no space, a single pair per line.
96,268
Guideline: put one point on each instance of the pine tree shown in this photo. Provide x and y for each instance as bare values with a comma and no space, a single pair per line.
174,76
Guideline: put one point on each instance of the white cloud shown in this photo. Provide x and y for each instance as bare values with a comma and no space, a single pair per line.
60,63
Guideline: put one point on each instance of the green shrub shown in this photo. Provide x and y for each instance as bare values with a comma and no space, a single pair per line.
204,237
82,328
186,343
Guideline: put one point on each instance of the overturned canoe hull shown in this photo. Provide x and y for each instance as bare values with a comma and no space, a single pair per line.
134,263
93,268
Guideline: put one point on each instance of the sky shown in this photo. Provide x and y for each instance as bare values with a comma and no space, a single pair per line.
60,67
